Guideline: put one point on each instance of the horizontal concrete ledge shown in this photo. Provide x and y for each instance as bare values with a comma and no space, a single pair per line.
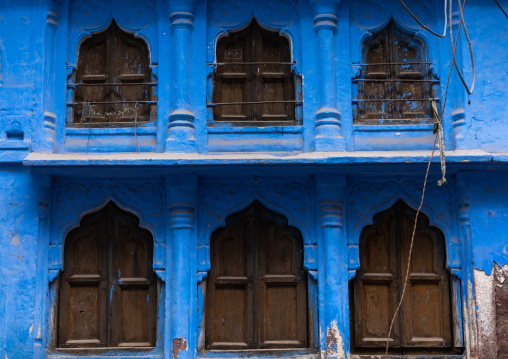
314,158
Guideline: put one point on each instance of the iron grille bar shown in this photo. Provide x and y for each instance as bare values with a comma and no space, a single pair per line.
109,102
113,84
398,99
250,103
394,63
388,80
250,63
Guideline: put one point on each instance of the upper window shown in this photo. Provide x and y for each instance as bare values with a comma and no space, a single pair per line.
395,81
253,84
108,292
113,82
257,288
424,323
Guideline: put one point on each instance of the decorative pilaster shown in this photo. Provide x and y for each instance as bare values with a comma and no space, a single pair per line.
41,281
48,134
181,131
328,136
470,331
458,112
333,275
181,244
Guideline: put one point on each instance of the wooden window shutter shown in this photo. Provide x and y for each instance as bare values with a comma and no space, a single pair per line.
113,81
256,290
253,83
395,80
424,321
108,292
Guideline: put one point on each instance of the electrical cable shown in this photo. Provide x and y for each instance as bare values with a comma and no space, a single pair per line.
423,26
504,12
461,12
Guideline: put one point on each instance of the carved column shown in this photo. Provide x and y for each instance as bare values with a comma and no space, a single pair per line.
328,135
181,192
47,140
458,114
470,333
41,281
333,269
181,131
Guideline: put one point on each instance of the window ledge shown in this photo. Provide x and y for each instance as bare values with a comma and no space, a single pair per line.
255,129
260,353
106,352
98,131
409,356
408,127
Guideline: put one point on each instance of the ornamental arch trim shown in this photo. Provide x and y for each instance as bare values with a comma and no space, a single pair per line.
366,200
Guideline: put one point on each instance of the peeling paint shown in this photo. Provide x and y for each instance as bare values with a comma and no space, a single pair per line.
486,314
179,345
334,344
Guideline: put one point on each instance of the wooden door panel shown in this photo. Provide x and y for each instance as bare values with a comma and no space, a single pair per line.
230,318
134,316
84,323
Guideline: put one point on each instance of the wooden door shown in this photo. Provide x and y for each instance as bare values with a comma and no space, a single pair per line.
256,289
424,320
108,293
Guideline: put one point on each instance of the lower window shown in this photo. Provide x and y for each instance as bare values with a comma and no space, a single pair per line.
424,323
108,287
257,288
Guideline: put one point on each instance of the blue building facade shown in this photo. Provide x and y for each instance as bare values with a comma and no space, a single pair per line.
182,167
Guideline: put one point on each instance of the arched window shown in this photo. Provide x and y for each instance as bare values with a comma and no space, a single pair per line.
256,290
424,323
113,82
395,80
253,84
108,292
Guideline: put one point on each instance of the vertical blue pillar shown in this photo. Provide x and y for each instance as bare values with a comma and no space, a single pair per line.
458,111
49,126
181,200
328,135
181,131
330,192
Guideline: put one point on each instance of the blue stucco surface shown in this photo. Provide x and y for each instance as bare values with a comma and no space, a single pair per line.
183,175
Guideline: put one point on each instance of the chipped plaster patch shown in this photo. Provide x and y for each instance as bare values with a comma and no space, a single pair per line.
179,345
334,344
15,239
486,314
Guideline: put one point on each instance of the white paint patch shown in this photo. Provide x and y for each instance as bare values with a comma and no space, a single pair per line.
31,329
15,239
334,344
486,314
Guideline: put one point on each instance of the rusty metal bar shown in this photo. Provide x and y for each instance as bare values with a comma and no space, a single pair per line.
110,103
250,63
397,99
113,84
394,63
389,80
250,103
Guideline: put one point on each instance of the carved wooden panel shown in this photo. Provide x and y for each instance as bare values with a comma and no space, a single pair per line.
256,291
395,80
112,80
253,81
108,287
424,320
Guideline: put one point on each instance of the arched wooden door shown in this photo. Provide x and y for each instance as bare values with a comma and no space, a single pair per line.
257,288
424,321
108,292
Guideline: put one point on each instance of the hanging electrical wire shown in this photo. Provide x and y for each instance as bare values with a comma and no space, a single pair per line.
461,12
504,12
423,26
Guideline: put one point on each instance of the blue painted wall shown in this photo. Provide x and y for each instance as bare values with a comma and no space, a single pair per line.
182,177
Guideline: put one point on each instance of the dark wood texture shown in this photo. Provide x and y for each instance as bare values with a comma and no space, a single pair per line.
257,288
235,82
424,320
120,62
393,78
108,287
